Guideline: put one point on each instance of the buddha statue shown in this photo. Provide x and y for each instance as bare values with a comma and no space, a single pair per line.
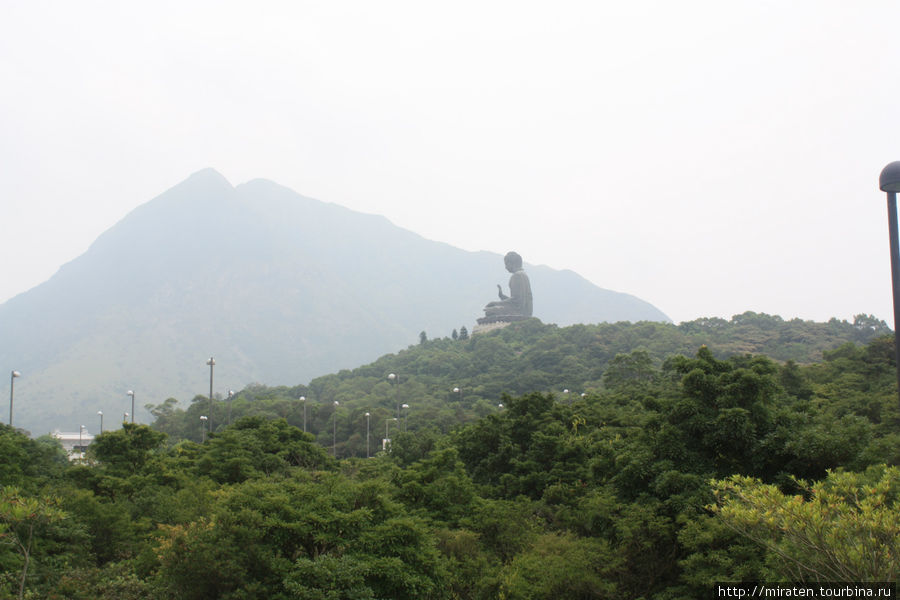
517,305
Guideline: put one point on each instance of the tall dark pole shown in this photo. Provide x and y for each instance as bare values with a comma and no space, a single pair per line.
100,412
12,387
368,453
303,400
212,363
889,182
392,377
131,393
334,430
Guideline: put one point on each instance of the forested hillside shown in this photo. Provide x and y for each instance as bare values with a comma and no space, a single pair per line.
523,358
656,476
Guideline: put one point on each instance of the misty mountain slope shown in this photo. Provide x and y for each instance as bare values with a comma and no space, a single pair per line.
278,287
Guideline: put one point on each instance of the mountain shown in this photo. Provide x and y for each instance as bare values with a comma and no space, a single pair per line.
278,287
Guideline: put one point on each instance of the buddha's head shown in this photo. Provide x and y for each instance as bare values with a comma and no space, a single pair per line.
513,262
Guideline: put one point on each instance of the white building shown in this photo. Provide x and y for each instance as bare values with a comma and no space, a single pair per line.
74,443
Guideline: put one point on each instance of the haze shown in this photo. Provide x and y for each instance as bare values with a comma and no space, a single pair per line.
708,157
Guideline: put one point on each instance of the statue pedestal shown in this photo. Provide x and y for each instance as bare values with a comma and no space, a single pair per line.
486,324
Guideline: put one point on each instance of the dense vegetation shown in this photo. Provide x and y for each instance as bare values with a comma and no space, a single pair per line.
660,473
521,359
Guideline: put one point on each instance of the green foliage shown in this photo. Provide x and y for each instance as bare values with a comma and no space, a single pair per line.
22,517
28,462
524,358
255,447
601,491
562,566
127,450
847,528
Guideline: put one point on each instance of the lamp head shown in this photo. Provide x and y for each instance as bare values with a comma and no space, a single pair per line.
889,181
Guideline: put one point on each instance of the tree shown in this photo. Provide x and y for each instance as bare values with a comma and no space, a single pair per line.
846,529
423,337
631,369
463,333
562,566
126,451
21,517
26,462
254,447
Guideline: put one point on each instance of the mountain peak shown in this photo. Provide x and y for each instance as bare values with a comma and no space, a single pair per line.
278,287
207,176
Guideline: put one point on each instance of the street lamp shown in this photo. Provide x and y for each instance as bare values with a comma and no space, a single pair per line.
12,382
387,436
303,400
212,363
125,417
230,398
458,392
368,454
203,421
392,377
100,412
130,393
81,442
405,417
334,430
889,182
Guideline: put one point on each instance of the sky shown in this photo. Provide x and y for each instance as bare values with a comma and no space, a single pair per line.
709,157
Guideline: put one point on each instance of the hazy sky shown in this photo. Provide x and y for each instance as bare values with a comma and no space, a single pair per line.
710,157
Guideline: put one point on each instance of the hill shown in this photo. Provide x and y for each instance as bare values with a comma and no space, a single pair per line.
279,288
526,357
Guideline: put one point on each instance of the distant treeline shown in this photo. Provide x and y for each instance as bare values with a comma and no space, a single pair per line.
525,357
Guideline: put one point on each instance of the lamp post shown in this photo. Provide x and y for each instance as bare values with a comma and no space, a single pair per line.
12,386
889,182
212,363
230,398
303,400
125,417
458,392
100,412
405,417
131,393
387,435
81,442
368,453
334,430
391,378
203,422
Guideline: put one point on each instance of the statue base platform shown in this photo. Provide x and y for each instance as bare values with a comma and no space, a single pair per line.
486,324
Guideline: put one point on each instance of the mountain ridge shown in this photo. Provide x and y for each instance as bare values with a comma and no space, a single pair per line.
277,286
